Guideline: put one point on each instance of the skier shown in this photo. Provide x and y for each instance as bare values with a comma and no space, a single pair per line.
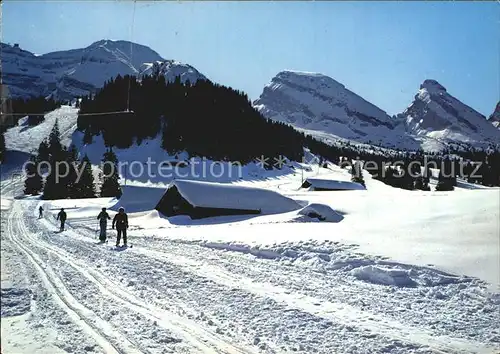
121,221
103,218
40,212
62,217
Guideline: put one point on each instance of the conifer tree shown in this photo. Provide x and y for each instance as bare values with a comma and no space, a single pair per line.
85,186
34,182
43,151
110,185
55,146
69,181
54,189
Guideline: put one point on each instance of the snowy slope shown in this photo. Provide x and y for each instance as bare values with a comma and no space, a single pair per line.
495,117
318,103
268,284
435,115
75,72
26,139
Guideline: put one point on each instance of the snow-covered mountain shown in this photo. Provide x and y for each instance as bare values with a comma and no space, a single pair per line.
75,72
495,116
326,108
171,69
437,116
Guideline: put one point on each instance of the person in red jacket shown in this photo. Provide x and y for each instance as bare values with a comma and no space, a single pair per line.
121,222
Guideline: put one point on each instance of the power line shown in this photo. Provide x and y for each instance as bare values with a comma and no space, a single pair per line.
80,114
105,113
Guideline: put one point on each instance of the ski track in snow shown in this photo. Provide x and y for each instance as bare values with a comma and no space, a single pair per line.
174,296
117,310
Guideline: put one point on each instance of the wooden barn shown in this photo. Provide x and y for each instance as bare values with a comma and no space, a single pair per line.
206,199
315,184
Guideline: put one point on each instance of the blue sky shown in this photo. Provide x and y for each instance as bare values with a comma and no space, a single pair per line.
380,50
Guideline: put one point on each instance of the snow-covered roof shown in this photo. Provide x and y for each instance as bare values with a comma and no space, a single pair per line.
334,185
230,196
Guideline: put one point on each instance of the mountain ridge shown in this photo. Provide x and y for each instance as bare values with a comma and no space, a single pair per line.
319,104
323,107
312,102
77,72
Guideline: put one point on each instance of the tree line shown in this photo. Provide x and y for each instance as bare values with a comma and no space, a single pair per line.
34,107
57,172
203,119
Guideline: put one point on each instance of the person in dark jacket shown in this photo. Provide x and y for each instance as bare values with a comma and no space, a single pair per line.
62,217
121,222
103,218
40,212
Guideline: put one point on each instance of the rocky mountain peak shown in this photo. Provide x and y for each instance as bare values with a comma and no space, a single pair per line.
432,86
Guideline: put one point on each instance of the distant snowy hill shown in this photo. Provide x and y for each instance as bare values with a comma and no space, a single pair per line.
171,69
495,116
319,104
436,116
66,74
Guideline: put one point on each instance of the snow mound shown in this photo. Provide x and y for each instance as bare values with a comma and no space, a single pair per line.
243,248
403,275
5,203
322,212
384,276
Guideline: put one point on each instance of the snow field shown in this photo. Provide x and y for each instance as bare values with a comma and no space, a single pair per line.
273,294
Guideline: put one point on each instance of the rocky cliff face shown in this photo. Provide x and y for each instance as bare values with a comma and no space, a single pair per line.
495,117
435,115
319,104
325,108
